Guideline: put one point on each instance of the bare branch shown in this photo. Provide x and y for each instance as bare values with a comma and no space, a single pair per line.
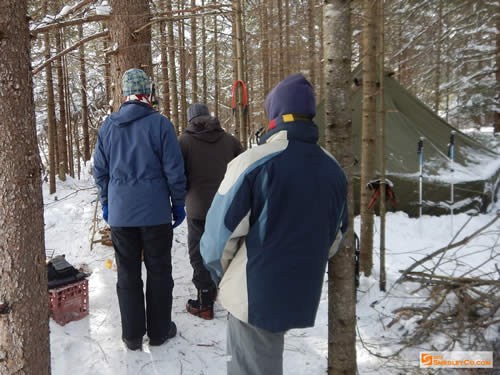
190,10
69,49
446,248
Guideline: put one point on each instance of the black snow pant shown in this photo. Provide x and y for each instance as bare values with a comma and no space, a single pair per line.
201,276
155,242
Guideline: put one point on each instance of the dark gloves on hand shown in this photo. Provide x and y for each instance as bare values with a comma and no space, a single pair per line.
105,212
179,215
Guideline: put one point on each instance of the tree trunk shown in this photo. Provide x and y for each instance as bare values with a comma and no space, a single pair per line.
134,50
107,73
24,315
183,75
50,111
497,72
216,69
312,44
165,87
194,65
437,75
281,67
381,137
287,38
204,57
240,72
173,72
338,120
234,60
264,49
71,160
85,110
368,131
61,132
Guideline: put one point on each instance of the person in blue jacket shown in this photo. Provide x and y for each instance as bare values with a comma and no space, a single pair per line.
139,173
278,215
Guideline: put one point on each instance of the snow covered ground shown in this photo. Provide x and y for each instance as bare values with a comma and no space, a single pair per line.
93,345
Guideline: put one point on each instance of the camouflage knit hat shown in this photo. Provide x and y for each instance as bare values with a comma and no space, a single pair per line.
136,81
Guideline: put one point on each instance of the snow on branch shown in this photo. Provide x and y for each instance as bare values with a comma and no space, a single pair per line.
58,25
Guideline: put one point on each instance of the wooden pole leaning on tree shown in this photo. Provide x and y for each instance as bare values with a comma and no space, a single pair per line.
368,133
381,136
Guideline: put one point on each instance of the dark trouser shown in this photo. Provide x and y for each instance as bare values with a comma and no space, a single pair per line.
252,350
201,276
156,243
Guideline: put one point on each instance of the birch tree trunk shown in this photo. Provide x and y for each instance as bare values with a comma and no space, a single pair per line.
338,120
24,315
368,132
133,49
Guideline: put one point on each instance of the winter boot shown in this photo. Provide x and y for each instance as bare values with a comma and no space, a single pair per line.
203,307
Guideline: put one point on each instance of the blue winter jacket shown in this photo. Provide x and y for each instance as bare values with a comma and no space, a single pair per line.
138,167
279,213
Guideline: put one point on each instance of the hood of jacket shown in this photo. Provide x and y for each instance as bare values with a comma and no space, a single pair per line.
131,111
205,128
292,95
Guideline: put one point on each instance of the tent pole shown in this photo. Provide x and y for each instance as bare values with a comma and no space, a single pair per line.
451,154
420,152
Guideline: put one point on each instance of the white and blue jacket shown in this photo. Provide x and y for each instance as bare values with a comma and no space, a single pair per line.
272,225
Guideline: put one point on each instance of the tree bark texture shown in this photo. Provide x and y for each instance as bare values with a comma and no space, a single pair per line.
61,132
204,58
183,72
216,69
497,72
172,72
437,74
288,69
51,122
312,44
85,109
165,87
338,120
194,65
133,50
24,316
240,72
69,129
381,140
368,131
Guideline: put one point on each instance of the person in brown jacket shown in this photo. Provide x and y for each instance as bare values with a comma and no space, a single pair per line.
206,149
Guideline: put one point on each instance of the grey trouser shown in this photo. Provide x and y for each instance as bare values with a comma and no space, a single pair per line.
201,276
252,350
